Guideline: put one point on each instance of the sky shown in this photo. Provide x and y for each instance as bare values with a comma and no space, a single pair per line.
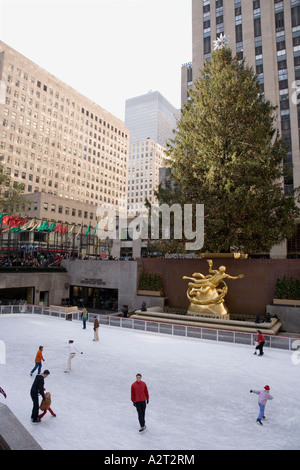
108,50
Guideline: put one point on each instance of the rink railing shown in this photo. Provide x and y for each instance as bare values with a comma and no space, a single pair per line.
172,329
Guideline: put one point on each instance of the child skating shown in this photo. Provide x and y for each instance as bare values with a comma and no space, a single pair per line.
45,405
263,397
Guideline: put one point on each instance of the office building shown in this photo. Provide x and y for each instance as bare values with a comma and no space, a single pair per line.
56,141
146,157
150,115
266,33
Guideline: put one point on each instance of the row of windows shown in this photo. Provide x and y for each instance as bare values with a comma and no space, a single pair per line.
33,82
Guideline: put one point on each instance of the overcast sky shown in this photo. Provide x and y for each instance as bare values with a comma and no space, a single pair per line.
108,50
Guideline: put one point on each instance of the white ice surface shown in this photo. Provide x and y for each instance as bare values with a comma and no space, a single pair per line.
199,389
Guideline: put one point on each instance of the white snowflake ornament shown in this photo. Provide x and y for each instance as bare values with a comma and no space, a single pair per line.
221,41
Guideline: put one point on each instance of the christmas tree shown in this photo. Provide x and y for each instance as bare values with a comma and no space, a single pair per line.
228,155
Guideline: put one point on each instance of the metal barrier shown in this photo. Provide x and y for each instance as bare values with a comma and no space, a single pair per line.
229,336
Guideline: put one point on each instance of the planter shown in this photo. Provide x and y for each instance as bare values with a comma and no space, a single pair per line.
224,255
155,293
286,302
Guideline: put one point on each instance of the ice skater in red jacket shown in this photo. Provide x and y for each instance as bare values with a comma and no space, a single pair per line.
140,397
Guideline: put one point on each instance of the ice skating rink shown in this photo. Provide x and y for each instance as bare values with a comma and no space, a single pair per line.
199,389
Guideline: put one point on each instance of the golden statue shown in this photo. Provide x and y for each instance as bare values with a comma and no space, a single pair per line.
205,294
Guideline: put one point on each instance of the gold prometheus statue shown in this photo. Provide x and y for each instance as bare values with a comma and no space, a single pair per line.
206,293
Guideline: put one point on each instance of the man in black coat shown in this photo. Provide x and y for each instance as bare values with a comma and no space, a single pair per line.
36,390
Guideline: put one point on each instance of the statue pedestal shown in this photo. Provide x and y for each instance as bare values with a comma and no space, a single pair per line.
224,316
211,310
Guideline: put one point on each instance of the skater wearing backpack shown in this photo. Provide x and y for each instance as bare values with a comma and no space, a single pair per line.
139,397
263,397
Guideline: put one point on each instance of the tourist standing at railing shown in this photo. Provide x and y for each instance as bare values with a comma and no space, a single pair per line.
96,328
84,317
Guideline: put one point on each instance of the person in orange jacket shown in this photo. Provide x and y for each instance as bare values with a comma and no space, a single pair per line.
139,397
38,360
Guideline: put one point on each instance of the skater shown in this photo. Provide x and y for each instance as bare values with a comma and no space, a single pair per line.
72,353
45,405
260,341
263,397
3,392
37,389
139,397
96,328
38,360
84,317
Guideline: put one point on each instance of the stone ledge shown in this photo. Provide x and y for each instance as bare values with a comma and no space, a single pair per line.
271,328
14,435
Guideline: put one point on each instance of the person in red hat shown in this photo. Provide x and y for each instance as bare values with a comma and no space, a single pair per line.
263,397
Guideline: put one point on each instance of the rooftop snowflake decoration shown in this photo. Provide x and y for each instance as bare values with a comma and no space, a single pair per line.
221,41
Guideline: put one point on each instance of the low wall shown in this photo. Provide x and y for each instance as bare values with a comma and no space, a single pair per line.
56,283
249,295
13,435
289,317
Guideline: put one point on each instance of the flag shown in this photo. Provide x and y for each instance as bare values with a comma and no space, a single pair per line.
51,227
58,228
88,230
79,231
95,229
44,226
23,222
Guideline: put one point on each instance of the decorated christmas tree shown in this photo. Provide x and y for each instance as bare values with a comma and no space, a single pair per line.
228,155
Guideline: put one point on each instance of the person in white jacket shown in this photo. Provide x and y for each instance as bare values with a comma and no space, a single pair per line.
72,352
263,397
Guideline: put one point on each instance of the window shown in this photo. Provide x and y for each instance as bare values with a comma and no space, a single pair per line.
279,21
257,27
296,16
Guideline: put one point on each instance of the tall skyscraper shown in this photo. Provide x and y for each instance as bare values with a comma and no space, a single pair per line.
266,33
150,115
151,120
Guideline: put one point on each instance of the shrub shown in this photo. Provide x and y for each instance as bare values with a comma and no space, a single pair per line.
150,282
287,288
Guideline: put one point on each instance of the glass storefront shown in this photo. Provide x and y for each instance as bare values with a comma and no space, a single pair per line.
17,295
94,297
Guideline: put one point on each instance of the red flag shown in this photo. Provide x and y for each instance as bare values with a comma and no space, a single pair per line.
5,220
58,228
23,222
